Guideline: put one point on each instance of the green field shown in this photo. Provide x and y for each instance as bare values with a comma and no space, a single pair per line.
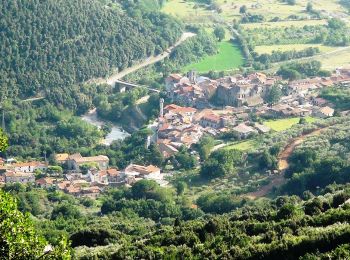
228,58
285,123
242,145
268,49
189,12
280,24
194,12
336,59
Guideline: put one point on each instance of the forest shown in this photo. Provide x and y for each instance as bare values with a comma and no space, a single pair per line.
51,45
53,50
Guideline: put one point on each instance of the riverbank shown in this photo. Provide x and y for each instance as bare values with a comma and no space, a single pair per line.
117,132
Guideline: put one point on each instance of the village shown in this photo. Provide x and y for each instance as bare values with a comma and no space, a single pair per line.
214,107
84,176
197,106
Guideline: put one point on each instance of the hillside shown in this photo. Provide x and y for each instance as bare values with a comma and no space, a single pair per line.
51,44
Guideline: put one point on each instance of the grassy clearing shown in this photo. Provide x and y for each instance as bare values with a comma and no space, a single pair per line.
228,58
276,8
338,57
242,145
189,12
335,60
285,123
262,49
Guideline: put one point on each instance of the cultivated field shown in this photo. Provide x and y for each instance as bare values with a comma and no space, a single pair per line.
276,8
242,145
283,24
268,49
228,58
195,12
285,123
190,12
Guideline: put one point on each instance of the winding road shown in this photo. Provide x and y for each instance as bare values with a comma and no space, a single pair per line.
111,80
278,179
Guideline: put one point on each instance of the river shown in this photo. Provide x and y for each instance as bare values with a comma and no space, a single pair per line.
117,132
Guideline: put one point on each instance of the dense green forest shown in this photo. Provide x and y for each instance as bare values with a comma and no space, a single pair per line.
49,45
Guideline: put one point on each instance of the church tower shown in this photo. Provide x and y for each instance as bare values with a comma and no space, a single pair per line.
161,107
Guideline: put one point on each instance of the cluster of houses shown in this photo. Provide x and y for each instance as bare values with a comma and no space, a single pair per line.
89,183
180,126
183,123
239,90
191,114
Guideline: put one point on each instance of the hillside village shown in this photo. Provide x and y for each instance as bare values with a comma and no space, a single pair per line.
84,176
197,106
224,105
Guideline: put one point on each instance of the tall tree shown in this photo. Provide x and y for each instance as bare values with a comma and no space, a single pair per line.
18,237
219,32
273,95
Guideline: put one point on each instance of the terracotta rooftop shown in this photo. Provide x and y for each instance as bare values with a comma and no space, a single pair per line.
142,169
243,128
18,174
211,117
61,157
175,76
80,159
46,180
326,110
32,164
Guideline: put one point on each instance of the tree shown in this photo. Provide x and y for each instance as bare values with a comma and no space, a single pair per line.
219,33
66,210
287,211
309,7
302,121
267,160
243,9
314,207
336,24
18,237
291,2
180,187
155,157
184,160
206,143
273,95
287,73
221,163
3,141
141,188
93,237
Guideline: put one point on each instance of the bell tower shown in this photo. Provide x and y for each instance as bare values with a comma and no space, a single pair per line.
161,107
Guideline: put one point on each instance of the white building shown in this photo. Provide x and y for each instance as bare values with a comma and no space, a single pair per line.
149,172
29,166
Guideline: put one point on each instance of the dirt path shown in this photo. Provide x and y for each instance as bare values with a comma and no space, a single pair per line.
33,99
278,179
